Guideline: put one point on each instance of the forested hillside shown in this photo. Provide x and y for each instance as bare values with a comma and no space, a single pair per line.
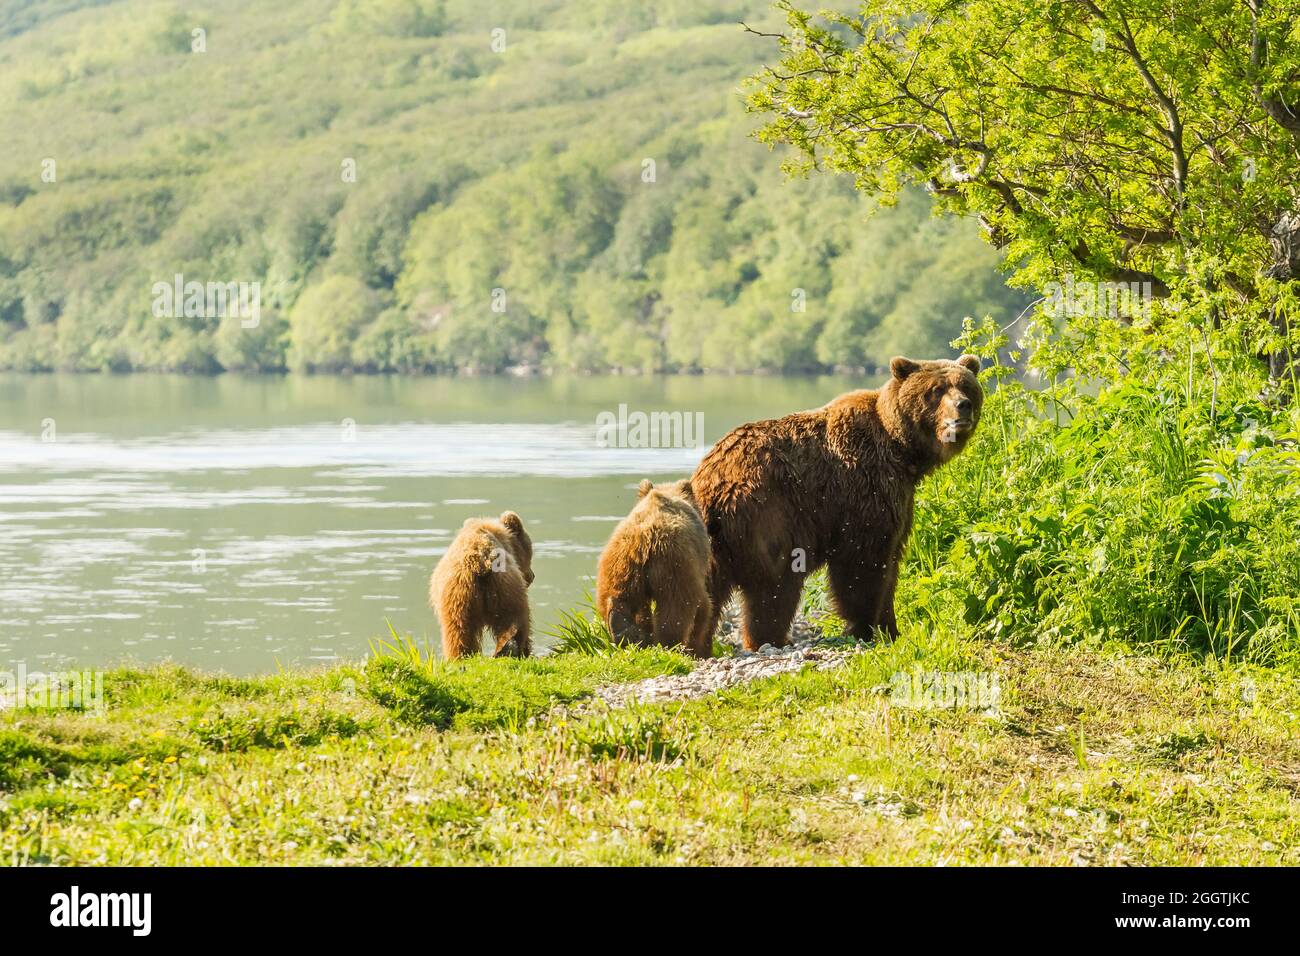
427,186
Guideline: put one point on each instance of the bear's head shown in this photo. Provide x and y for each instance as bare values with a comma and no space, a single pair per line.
936,404
673,489
521,546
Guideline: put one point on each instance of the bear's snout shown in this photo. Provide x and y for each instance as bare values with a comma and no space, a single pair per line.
964,406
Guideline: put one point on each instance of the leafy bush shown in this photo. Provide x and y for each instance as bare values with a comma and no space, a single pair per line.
396,18
475,171
326,321
1152,514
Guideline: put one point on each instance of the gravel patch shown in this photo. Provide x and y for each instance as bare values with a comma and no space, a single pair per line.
719,673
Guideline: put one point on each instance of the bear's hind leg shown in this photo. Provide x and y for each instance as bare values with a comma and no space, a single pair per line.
513,639
522,626
627,624
769,611
460,634
505,596
718,595
507,646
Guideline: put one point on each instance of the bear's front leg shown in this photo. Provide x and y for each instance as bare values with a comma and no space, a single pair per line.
860,587
628,624
888,620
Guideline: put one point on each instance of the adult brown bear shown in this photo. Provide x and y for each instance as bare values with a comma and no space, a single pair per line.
833,486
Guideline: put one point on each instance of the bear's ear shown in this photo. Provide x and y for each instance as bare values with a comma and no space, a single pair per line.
512,522
903,367
644,488
971,362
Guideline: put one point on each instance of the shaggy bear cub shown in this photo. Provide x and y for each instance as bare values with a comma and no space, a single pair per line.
482,582
651,582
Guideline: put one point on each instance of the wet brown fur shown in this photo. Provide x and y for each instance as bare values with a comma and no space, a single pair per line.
659,553
837,482
482,582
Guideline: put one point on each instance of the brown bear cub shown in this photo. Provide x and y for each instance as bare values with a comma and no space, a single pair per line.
834,487
651,586
482,581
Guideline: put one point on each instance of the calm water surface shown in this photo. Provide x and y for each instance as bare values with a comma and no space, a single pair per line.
244,523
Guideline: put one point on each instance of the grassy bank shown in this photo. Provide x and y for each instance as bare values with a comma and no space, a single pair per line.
1091,756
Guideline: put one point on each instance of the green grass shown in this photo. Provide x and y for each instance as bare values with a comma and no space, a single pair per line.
483,693
1092,756
582,631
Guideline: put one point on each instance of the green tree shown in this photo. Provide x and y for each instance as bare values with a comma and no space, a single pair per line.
1147,141
327,319
396,18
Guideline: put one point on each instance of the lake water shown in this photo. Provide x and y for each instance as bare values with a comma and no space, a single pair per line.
245,523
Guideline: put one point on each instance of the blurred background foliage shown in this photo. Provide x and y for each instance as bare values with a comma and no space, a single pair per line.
597,173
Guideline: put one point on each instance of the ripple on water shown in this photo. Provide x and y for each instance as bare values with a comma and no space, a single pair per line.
473,449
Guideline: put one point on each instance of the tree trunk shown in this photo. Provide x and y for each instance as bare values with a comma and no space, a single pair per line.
1285,268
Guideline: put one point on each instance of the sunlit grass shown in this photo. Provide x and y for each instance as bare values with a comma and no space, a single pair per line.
581,631
1088,757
